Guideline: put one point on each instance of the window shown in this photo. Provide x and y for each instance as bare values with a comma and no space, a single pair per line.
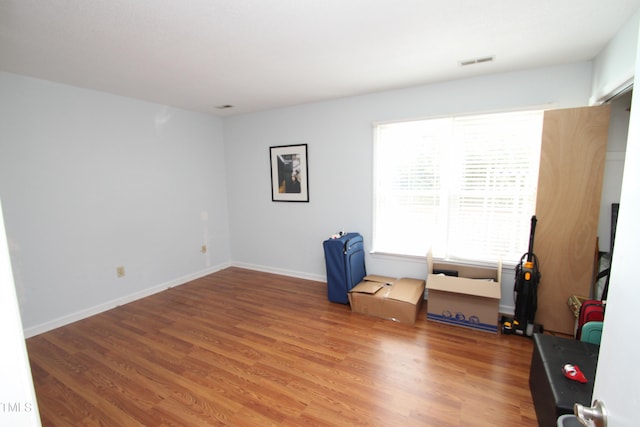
463,186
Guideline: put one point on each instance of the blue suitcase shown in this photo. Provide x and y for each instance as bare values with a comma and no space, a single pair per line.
344,257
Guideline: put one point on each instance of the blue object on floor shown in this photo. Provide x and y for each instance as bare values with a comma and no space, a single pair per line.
344,257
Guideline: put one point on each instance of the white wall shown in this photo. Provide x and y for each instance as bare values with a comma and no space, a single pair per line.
613,71
613,68
616,385
287,237
17,395
92,181
614,165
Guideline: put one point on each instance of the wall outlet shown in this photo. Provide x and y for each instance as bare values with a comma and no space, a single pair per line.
120,271
203,249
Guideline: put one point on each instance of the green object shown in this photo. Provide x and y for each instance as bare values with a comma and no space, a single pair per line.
591,332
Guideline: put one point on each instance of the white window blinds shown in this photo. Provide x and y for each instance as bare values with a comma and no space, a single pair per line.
463,186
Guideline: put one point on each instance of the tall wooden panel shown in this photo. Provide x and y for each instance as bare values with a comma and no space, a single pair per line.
574,143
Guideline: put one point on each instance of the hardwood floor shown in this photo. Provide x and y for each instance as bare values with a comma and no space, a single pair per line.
244,348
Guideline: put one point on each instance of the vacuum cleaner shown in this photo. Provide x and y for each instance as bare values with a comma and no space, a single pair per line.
525,293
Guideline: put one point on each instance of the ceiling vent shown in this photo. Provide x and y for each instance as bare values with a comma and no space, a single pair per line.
477,61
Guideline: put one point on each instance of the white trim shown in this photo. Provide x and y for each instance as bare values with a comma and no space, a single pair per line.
508,310
538,107
281,271
91,311
611,93
615,156
422,259
83,314
399,257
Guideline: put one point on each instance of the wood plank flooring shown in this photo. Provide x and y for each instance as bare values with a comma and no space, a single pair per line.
245,348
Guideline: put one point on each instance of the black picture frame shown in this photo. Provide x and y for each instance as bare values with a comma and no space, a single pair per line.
289,173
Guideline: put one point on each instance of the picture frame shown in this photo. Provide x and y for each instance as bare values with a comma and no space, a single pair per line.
289,173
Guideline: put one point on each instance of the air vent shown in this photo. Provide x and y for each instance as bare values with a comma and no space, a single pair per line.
477,61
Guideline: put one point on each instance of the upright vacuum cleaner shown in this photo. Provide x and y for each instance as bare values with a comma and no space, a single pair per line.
525,292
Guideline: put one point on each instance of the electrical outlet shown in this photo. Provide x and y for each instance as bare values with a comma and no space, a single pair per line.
120,271
203,249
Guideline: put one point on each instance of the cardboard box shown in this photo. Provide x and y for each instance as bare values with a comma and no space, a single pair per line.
470,300
396,299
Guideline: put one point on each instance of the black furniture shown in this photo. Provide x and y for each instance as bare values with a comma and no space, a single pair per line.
553,394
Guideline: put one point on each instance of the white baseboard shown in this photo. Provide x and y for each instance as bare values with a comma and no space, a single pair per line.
508,310
503,308
283,272
91,311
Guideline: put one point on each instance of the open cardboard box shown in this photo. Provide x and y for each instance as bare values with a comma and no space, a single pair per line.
396,299
470,300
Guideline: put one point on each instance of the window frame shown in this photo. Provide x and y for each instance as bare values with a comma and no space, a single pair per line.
381,252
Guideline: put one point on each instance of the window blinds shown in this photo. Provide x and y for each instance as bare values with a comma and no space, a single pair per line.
462,186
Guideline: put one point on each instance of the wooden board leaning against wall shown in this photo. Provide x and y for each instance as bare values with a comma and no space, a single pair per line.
574,143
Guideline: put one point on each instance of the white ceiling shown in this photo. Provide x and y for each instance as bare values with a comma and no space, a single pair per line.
263,54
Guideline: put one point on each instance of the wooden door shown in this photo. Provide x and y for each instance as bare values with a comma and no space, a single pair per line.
574,143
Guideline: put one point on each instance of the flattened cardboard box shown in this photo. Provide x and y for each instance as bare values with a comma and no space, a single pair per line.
470,302
396,299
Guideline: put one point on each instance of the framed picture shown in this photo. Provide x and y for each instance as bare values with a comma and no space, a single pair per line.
289,173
